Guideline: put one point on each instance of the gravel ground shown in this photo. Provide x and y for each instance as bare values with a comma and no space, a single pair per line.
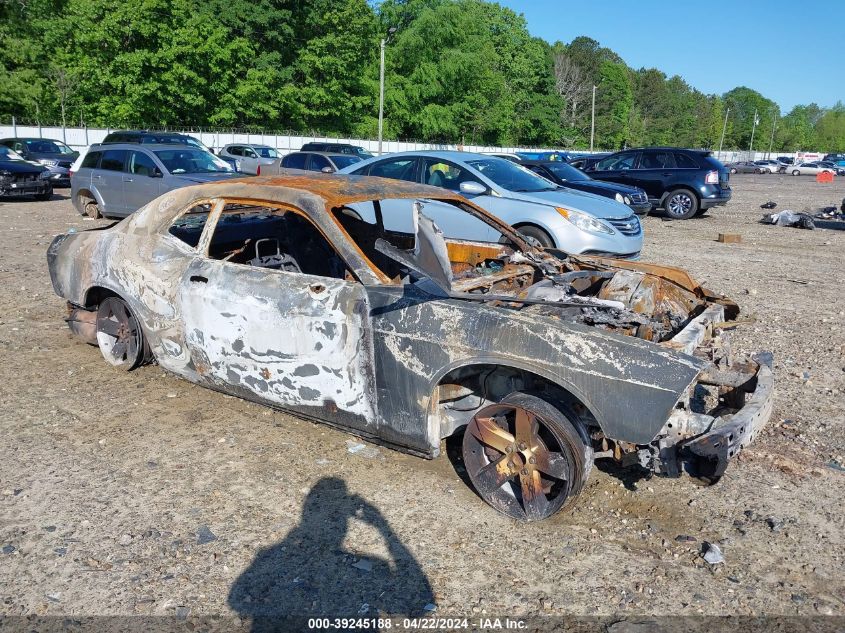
139,493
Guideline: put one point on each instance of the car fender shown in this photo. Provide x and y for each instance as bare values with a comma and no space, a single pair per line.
92,189
520,212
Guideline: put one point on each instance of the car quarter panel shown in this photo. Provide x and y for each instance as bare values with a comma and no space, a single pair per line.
629,385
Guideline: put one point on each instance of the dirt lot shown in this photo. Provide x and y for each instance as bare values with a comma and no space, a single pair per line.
139,493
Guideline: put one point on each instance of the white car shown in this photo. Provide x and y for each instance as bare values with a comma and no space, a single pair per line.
771,166
809,169
247,157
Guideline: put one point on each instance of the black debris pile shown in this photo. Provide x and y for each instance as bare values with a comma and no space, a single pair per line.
831,217
769,205
789,218
831,212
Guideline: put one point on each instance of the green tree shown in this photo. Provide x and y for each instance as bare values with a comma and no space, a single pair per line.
613,106
830,129
743,103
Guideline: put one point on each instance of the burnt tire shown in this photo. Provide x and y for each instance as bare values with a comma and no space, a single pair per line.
92,210
119,334
680,204
536,236
526,457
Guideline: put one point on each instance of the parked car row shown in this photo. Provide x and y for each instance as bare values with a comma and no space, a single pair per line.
682,182
544,195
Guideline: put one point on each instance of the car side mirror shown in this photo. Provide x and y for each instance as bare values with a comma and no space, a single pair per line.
472,188
327,170
156,173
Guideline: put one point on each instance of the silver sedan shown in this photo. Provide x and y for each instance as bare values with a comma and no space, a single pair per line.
809,169
548,215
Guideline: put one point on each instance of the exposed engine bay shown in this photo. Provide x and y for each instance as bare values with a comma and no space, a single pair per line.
659,304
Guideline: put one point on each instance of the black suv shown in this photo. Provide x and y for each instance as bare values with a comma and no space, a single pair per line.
337,148
152,138
684,182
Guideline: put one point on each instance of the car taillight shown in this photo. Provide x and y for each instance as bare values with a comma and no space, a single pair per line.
258,171
712,177
70,174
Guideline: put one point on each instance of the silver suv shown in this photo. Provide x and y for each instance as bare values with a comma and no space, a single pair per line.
115,180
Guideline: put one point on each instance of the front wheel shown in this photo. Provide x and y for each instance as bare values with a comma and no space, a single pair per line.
681,204
795,172
119,334
526,457
536,236
733,170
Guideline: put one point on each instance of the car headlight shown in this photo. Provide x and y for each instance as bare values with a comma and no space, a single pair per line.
48,162
627,200
45,175
618,197
584,221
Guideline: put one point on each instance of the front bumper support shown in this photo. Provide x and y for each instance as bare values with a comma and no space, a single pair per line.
706,456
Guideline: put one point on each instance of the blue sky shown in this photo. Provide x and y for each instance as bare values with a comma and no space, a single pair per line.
791,52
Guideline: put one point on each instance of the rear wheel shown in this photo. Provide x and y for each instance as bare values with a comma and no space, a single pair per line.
795,172
536,236
119,334
89,206
526,457
733,170
681,204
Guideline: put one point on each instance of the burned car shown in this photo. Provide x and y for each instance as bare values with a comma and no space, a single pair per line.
290,291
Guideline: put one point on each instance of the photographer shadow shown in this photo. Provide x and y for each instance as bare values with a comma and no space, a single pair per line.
308,574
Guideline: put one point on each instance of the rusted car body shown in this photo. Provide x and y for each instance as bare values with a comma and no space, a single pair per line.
406,339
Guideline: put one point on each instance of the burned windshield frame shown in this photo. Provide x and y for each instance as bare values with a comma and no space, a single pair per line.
509,239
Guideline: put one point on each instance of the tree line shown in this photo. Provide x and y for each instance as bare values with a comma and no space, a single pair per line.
457,71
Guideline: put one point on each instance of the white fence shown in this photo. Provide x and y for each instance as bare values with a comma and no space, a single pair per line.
81,137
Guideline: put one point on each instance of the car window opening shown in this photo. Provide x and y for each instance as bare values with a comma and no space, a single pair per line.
368,222
274,239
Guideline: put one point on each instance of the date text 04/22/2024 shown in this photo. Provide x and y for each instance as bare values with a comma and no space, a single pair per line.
430,624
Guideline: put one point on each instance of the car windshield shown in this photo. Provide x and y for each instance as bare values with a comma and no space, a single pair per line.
511,176
267,152
40,146
345,160
7,153
567,172
192,161
360,151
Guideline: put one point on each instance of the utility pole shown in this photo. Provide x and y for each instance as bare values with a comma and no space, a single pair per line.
724,129
772,139
593,121
384,42
753,127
